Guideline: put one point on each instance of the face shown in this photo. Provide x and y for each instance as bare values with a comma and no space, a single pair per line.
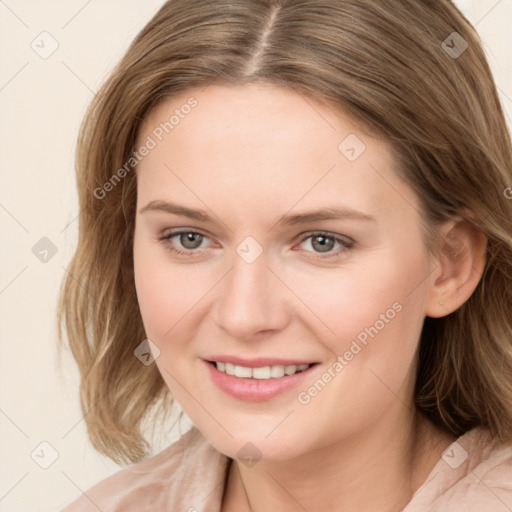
271,234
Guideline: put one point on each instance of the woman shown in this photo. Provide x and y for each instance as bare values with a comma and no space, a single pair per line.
295,223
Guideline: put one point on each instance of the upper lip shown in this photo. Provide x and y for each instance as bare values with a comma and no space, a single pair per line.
258,362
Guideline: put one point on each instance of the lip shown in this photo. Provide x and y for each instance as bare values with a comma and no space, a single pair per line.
256,390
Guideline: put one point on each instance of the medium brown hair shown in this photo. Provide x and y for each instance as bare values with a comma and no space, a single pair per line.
382,62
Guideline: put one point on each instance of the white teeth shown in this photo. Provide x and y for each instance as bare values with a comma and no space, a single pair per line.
277,371
243,371
262,373
290,370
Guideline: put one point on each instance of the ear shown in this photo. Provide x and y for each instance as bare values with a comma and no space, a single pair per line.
459,265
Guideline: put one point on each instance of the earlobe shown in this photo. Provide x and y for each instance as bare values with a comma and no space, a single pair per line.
460,263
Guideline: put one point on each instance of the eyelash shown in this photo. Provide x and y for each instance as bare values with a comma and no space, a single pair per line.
346,243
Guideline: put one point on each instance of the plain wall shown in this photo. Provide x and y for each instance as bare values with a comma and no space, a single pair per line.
42,102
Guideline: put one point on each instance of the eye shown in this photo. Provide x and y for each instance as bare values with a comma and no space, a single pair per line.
324,243
188,241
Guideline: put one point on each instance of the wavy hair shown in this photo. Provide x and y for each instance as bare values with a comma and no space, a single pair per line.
402,70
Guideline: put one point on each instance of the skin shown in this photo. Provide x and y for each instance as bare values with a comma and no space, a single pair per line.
247,156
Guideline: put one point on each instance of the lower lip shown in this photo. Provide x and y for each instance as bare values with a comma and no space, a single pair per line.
256,390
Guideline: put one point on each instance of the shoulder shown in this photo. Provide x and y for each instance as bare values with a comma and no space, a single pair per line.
188,472
474,474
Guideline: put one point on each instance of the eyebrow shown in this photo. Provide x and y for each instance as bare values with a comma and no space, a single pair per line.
287,220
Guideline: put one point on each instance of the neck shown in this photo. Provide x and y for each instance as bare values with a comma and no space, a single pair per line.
377,469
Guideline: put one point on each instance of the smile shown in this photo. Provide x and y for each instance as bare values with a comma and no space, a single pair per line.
258,383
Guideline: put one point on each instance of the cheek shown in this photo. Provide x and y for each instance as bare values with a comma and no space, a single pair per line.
371,365
375,300
170,295
161,293
377,323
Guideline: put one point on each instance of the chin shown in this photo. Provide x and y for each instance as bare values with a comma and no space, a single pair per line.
255,444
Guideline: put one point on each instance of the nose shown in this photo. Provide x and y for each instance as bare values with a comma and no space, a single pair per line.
251,301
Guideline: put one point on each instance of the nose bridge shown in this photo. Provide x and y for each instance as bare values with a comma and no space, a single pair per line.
250,300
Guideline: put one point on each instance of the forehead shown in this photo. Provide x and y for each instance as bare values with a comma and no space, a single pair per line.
266,143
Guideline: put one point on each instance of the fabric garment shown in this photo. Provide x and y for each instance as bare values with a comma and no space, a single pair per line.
473,475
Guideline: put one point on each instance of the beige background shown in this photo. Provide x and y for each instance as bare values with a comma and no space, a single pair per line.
42,102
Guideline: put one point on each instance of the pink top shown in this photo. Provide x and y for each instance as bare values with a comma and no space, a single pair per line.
473,475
